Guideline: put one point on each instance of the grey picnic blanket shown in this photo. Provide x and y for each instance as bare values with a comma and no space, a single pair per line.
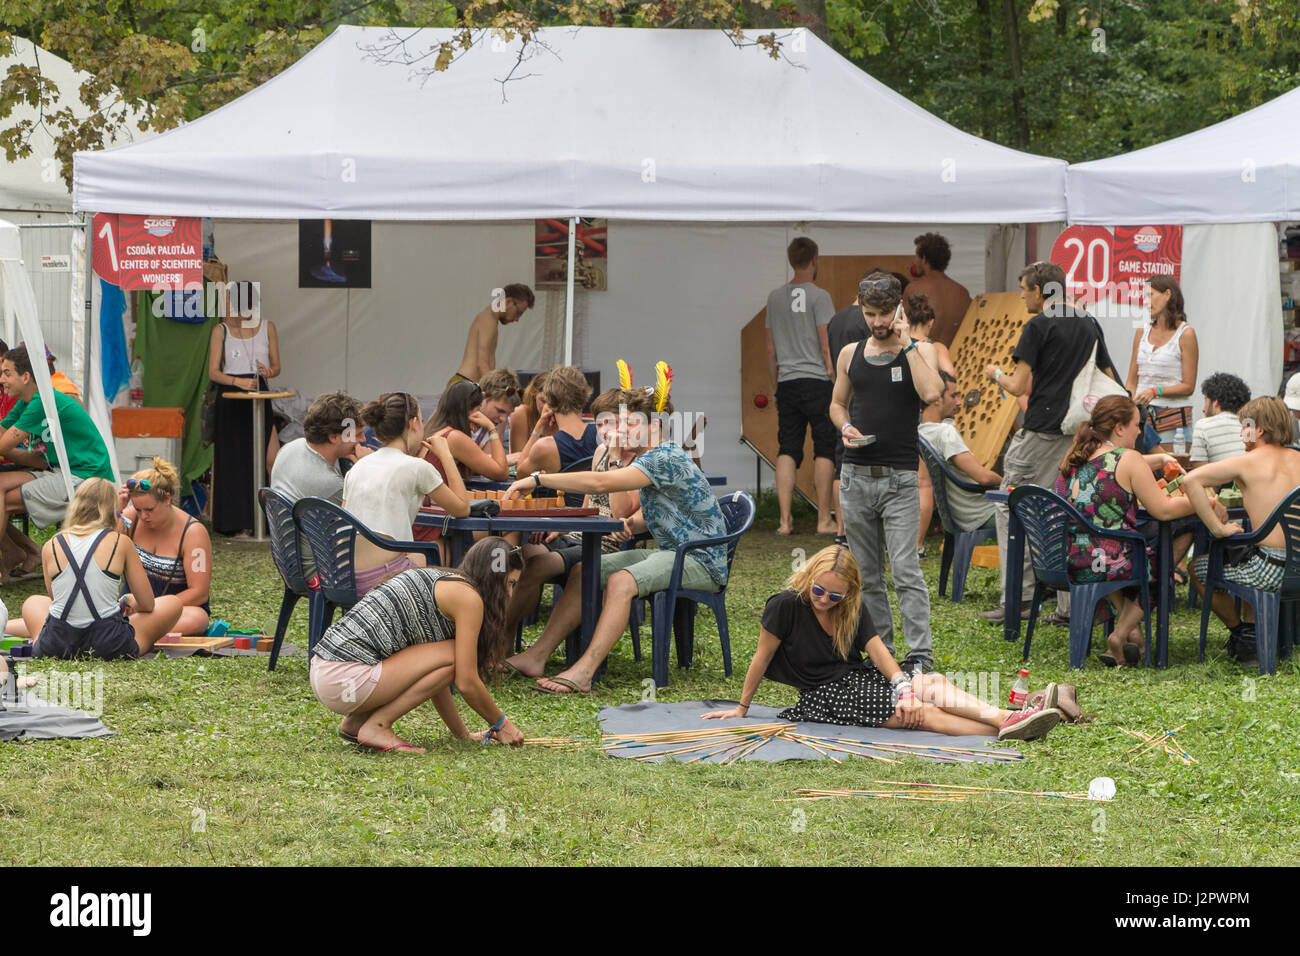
24,716
286,650
646,718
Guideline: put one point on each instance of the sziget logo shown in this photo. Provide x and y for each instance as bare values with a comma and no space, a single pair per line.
1147,239
77,909
158,226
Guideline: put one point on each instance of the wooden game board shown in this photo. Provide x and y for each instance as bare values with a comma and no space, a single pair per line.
987,336
200,641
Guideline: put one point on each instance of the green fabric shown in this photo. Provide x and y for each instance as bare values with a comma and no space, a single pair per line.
87,456
175,359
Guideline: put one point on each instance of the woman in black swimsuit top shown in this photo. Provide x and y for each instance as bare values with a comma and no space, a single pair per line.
173,546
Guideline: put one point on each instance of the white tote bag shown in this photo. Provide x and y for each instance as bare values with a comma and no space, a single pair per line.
1091,385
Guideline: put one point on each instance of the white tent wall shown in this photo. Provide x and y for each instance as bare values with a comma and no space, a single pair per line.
51,288
677,291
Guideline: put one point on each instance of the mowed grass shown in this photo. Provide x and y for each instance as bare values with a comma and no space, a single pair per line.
217,761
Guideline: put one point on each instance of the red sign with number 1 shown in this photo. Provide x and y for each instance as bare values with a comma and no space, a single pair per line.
148,252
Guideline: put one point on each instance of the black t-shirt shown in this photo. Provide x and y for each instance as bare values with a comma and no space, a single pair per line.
847,325
1055,344
807,657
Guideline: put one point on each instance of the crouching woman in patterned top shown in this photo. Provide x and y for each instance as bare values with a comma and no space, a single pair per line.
813,637
409,638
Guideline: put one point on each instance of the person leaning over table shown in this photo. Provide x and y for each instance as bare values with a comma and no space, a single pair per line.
813,637
677,505
1105,477
1266,474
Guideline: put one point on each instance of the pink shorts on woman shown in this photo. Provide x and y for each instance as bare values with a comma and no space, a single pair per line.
373,577
343,686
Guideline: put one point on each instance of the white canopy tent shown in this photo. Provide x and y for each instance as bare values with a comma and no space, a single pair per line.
676,136
1227,185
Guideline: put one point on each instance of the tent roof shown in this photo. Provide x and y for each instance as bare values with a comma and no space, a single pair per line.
29,184
1239,170
621,123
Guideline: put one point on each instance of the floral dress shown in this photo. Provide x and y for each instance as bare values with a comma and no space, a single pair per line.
1101,499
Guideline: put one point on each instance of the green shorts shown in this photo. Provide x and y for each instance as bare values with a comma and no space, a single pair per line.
653,569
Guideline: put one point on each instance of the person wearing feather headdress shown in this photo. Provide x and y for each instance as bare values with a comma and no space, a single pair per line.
677,504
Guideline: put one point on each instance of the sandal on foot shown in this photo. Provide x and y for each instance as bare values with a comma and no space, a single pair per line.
1108,660
1132,653
563,682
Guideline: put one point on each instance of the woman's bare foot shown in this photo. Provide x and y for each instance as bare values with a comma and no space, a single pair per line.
383,739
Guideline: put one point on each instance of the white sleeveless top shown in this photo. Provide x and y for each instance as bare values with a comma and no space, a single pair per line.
104,587
1162,366
242,355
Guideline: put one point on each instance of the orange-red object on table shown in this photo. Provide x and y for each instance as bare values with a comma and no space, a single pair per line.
1172,470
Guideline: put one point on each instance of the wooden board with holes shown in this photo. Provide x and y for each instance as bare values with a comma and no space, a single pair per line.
838,275
201,641
987,336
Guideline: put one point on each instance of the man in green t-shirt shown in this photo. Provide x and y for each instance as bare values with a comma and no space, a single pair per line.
39,492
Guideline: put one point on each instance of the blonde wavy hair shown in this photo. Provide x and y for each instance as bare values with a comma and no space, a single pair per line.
93,508
837,560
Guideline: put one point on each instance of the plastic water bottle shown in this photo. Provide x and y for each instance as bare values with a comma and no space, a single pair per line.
1180,442
1019,691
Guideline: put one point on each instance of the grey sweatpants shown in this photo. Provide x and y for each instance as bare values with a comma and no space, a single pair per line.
879,514
1032,458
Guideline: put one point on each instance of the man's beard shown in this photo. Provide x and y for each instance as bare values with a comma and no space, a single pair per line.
882,334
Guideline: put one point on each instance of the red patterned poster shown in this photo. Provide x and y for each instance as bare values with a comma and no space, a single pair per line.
1141,254
148,252
1086,255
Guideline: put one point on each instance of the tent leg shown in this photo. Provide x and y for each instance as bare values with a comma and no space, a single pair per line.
568,295
87,331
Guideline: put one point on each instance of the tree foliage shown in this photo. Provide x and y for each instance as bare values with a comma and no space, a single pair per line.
1059,77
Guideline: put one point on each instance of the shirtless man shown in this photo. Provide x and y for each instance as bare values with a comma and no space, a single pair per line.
481,345
1266,474
948,298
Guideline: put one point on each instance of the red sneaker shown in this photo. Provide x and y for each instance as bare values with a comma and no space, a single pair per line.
1031,723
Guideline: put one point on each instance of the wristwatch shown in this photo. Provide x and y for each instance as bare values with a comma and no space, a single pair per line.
537,479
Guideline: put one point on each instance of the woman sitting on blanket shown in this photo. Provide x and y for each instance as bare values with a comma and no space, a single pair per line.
813,637
85,565
410,637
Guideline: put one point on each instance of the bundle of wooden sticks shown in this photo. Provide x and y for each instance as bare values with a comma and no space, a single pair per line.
1165,740
931,792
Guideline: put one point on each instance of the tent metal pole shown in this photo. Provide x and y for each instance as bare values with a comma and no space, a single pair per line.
87,261
568,295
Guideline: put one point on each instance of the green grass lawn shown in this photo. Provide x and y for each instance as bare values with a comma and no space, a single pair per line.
217,761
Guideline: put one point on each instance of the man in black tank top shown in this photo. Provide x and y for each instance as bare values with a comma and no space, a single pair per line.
881,385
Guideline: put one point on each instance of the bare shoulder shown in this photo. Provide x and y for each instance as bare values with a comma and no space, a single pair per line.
456,595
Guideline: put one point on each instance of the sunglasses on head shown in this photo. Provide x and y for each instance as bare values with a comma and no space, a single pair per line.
138,484
884,284
834,596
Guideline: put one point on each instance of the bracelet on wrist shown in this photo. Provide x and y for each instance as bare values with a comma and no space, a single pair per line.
498,724
997,375
844,427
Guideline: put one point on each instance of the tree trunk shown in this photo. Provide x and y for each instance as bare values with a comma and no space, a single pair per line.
1020,120
984,55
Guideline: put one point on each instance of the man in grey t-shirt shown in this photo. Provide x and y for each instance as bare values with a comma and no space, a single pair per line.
800,365
308,467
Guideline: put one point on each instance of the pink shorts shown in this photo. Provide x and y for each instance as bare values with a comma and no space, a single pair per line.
343,686
373,577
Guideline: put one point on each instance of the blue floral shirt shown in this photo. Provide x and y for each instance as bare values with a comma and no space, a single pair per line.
679,506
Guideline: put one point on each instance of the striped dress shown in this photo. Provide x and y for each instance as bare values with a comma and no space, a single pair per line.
390,618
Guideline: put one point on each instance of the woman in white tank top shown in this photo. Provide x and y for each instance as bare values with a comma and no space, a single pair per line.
85,565
1162,372
244,353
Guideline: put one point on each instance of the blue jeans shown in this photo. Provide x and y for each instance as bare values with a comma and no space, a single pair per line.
882,514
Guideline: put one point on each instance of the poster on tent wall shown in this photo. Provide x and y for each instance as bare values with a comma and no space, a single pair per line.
590,253
334,253
1108,271
148,253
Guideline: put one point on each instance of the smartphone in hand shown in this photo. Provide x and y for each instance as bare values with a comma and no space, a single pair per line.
863,441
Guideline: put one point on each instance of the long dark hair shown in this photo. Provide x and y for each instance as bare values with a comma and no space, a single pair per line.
1174,310
1111,412
486,566
454,408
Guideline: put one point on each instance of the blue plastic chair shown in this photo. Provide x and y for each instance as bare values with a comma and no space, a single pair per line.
286,552
738,512
332,534
1048,521
958,545
1267,604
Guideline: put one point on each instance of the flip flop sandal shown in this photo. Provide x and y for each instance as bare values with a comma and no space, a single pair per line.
563,682
350,738
1180,577
1132,653
1108,660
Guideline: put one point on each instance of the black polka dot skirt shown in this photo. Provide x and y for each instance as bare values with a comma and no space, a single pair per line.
861,698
